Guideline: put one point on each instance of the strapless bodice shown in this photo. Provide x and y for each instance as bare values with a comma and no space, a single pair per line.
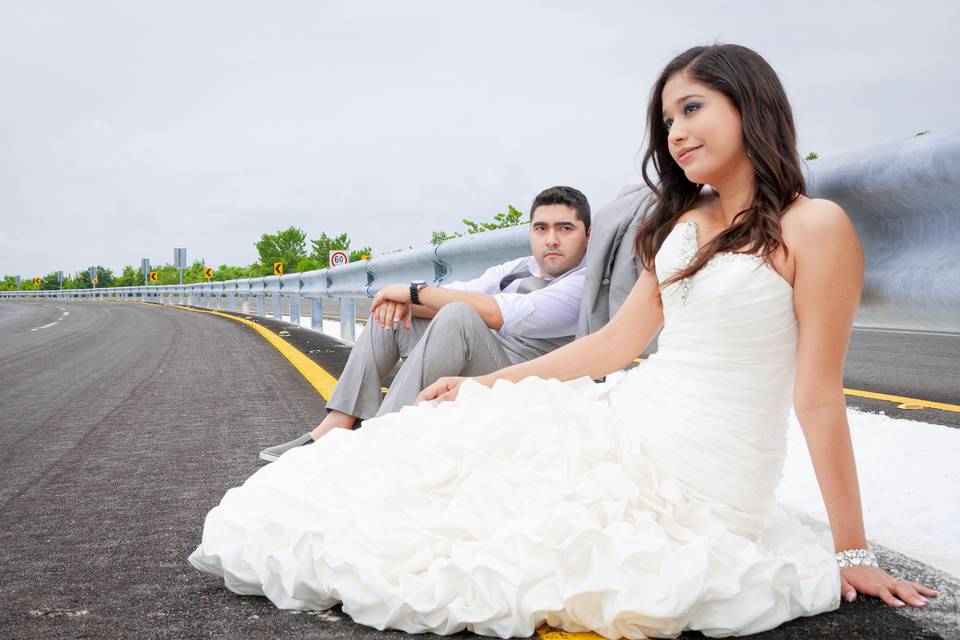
721,381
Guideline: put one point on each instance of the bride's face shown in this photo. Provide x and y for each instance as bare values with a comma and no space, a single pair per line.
704,130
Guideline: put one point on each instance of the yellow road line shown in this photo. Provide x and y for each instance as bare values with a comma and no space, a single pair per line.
324,383
316,375
549,633
913,403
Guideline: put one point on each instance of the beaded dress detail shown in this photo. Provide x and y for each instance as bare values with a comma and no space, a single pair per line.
635,509
689,246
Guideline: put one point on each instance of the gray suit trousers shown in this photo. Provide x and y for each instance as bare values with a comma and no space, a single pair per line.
456,342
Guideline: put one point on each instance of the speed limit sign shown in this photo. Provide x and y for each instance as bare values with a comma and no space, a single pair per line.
339,258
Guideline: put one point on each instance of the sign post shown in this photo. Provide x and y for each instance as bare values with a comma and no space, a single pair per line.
18,282
145,269
60,279
93,277
180,261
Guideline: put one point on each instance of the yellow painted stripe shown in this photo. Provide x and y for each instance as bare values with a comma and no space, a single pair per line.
914,402
323,382
316,375
549,633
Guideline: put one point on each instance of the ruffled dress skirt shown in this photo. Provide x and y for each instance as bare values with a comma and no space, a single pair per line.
526,504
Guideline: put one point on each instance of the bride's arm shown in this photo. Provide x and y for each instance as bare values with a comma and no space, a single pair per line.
610,349
828,268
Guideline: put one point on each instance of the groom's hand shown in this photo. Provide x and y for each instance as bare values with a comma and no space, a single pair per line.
392,305
389,313
442,390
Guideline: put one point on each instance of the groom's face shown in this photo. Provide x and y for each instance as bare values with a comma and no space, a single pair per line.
557,239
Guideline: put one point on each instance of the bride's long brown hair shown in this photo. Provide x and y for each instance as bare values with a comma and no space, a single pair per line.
769,137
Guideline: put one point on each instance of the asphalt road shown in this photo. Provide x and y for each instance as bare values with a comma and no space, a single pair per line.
918,365
122,424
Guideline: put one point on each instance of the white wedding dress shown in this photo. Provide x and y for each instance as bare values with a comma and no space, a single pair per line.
640,508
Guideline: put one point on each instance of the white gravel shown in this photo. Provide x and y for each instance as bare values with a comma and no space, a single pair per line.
909,483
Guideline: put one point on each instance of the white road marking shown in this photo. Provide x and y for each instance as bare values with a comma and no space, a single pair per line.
66,313
44,326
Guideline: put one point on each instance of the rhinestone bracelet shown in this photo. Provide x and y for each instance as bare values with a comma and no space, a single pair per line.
856,557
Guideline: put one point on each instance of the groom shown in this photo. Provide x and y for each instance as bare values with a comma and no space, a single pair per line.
515,311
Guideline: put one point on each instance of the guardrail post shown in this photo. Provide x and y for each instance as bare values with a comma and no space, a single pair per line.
316,313
295,309
277,304
348,318
261,304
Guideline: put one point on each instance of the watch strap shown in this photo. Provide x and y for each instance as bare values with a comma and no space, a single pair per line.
415,291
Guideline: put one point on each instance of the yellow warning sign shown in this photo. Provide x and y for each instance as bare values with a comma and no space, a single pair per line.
96,280
278,268
38,281
154,276
208,272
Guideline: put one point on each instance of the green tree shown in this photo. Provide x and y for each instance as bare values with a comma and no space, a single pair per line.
363,253
129,277
813,155
81,279
440,236
50,282
323,245
320,255
166,274
921,133
288,246
194,273
229,272
509,218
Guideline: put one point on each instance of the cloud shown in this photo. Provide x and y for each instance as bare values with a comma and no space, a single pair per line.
133,128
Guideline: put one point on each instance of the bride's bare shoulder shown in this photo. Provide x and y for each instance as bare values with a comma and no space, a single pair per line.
817,222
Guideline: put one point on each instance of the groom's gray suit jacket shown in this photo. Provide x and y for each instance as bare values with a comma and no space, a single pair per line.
610,264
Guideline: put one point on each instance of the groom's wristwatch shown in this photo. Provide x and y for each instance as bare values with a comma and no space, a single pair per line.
415,287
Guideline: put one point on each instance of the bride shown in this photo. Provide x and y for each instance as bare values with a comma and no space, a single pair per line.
638,508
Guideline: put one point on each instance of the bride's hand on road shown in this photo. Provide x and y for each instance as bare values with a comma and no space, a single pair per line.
442,390
875,582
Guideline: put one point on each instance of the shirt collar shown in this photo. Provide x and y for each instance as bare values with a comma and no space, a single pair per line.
534,268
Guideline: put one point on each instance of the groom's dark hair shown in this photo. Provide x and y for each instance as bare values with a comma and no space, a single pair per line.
568,196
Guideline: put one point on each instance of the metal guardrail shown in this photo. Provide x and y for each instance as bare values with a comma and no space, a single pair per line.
462,258
904,199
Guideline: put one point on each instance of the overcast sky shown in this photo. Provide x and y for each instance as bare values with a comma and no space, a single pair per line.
130,128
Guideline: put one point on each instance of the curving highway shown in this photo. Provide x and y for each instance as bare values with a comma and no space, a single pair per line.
121,424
